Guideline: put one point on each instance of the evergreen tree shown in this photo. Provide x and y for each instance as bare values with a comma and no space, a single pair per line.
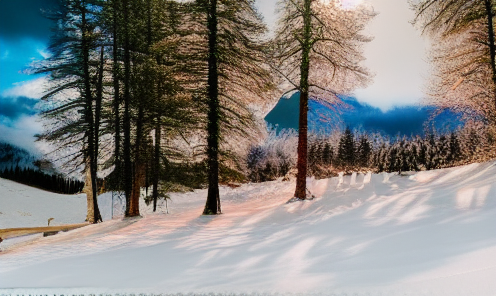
422,152
328,154
413,157
73,68
443,151
364,152
381,161
432,160
393,160
455,151
312,158
346,149
226,43
473,145
403,156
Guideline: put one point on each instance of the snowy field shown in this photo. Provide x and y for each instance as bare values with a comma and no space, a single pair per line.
427,233
24,206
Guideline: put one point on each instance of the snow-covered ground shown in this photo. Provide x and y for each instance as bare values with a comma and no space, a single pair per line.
24,206
427,233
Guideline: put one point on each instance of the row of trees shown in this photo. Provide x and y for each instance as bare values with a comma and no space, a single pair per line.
131,74
353,151
132,81
37,178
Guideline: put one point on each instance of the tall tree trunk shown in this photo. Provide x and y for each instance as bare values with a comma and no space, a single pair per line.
301,179
138,167
128,170
212,206
156,163
117,120
88,189
96,138
492,45
90,153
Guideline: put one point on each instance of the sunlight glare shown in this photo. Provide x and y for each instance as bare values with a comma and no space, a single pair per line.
347,4
350,3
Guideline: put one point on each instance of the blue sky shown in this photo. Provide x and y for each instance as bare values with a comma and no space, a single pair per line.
24,35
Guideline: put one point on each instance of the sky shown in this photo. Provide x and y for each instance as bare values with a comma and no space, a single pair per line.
24,34
396,56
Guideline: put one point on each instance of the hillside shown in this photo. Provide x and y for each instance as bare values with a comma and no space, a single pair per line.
25,206
11,156
426,233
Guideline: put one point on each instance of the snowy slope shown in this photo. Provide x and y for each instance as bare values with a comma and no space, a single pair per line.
25,206
427,233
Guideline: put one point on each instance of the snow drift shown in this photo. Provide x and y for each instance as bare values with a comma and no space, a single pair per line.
426,233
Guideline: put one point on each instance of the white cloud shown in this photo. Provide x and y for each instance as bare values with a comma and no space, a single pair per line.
397,55
350,3
268,9
22,132
44,53
31,89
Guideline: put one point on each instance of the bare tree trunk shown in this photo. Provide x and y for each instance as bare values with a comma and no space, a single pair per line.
491,43
156,163
136,191
138,167
128,170
212,206
301,179
117,120
90,153
96,137
88,189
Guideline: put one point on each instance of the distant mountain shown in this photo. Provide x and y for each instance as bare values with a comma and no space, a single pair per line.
12,156
324,118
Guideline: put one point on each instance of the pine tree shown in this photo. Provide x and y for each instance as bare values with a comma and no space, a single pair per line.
228,70
381,162
328,154
413,159
312,158
422,152
431,158
443,151
392,160
455,151
404,156
346,149
73,68
364,152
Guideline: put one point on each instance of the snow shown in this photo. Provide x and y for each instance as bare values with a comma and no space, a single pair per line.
25,206
426,233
